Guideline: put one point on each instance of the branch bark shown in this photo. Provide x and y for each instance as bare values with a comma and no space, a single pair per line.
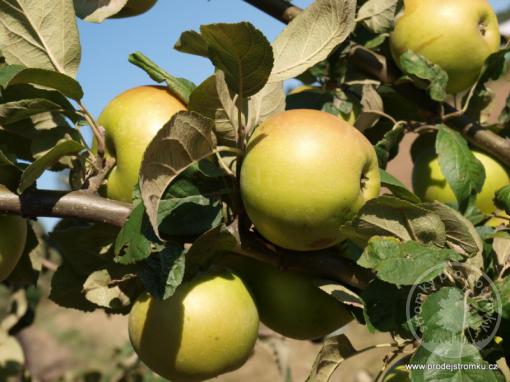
387,73
76,204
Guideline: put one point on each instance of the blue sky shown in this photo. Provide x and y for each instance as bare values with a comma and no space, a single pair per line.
105,72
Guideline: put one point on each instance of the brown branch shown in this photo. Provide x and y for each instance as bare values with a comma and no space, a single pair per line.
387,73
76,204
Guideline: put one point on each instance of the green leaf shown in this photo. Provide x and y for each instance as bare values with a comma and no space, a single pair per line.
242,52
405,263
66,289
334,351
185,140
35,170
501,247
378,16
40,34
495,66
134,238
205,100
391,216
181,87
96,11
324,24
16,111
503,288
310,99
435,78
396,187
105,291
387,148
464,173
163,272
193,43
18,74
384,306
461,235
502,199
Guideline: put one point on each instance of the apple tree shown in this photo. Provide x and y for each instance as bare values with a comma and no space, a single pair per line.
245,204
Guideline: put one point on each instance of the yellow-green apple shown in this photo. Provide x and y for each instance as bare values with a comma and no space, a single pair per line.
289,302
130,121
306,94
208,327
457,35
135,8
305,173
430,184
13,236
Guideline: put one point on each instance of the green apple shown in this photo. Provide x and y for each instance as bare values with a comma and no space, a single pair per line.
13,236
313,97
135,8
289,302
130,121
430,184
208,327
457,35
305,173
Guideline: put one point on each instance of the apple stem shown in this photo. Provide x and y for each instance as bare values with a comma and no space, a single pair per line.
96,129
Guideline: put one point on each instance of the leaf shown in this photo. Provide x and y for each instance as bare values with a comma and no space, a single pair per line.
463,171
163,272
435,78
18,74
35,170
16,111
66,289
311,37
396,187
495,66
502,199
96,11
501,246
334,351
378,15
134,238
40,34
461,235
185,140
266,103
503,288
205,100
341,293
372,104
102,290
405,263
181,87
242,52
390,216
193,43
387,148
384,306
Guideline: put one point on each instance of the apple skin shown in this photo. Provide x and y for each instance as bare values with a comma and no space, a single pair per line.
288,302
302,176
457,35
12,243
135,8
208,327
430,184
130,121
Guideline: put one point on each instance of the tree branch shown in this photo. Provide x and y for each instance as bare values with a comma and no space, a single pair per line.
387,73
75,204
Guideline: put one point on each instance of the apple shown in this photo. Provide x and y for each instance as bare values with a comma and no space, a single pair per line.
130,121
305,173
208,327
289,302
135,8
307,95
12,243
457,35
430,184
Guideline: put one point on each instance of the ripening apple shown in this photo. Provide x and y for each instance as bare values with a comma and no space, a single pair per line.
130,121
13,236
307,92
208,327
135,8
289,302
430,184
304,175
457,35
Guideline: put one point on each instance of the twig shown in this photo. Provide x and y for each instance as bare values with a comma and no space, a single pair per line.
97,130
93,183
